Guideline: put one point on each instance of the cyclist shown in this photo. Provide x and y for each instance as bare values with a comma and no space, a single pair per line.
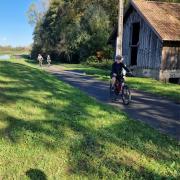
40,59
117,70
49,60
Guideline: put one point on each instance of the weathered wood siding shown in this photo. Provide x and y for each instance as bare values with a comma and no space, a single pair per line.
150,47
170,58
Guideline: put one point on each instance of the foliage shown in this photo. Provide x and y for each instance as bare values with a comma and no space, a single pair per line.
36,11
92,59
50,130
173,1
105,64
74,30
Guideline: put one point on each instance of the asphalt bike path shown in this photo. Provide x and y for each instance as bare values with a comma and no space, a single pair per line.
159,113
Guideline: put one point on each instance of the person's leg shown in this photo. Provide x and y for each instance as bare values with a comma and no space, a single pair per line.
113,80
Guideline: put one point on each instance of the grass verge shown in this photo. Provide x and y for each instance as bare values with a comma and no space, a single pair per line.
51,130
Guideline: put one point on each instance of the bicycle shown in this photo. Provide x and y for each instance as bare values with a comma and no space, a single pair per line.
122,90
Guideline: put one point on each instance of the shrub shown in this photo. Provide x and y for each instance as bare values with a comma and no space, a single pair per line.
104,64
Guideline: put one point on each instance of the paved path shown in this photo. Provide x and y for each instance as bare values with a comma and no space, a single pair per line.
159,113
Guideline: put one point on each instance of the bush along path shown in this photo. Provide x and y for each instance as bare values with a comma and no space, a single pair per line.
159,113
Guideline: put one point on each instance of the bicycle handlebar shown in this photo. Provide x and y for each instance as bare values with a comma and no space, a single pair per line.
129,74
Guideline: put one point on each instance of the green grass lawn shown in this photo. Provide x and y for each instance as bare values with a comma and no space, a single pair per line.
50,129
171,91
93,71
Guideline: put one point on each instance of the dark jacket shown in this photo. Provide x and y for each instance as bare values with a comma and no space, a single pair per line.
117,68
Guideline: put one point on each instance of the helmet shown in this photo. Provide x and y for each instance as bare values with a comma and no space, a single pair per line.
118,57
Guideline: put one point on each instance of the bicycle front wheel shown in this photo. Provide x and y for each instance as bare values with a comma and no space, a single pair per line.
126,95
113,94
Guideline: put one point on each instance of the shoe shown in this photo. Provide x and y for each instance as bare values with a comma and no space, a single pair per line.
112,88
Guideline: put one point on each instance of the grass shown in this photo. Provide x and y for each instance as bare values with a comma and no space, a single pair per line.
50,130
171,91
101,74
13,52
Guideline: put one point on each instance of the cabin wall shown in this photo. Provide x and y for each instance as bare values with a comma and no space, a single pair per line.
149,48
170,58
170,64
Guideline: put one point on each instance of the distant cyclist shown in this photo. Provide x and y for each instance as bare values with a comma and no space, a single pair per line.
40,59
117,70
48,60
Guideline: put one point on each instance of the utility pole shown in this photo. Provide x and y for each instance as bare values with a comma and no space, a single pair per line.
120,29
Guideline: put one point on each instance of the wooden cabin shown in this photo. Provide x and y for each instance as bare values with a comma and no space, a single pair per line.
151,39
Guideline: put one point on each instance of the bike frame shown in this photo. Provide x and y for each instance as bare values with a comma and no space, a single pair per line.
119,85
120,89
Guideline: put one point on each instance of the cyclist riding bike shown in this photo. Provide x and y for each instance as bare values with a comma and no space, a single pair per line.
117,70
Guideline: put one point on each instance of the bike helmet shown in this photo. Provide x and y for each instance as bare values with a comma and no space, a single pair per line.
118,57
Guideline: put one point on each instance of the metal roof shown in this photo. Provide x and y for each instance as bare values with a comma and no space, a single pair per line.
164,18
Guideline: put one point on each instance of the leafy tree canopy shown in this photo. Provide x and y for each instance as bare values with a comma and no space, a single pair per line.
72,30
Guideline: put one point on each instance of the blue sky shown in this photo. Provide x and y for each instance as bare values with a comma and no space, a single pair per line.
14,27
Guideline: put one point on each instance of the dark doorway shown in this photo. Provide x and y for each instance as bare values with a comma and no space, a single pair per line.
135,42
174,80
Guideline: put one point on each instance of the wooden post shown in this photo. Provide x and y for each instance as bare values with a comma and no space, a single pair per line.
120,29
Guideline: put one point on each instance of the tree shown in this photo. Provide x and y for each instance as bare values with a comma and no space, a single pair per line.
72,30
37,10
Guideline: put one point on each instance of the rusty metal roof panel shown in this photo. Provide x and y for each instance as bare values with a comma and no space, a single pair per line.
164,18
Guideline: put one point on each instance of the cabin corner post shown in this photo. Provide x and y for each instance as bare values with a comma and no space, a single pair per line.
120,29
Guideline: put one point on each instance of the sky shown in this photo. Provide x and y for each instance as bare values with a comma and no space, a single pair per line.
14,27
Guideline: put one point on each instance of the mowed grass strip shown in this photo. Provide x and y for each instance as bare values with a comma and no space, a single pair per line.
51,130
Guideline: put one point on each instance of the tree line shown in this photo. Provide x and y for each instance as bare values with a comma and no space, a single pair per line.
11,49
73,30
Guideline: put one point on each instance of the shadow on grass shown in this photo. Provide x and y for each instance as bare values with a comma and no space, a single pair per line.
90,163
63,123
89,157
35,174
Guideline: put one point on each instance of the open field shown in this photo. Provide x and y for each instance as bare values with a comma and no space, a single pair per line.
13,51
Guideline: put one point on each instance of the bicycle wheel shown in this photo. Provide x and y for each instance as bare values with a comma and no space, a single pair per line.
126,95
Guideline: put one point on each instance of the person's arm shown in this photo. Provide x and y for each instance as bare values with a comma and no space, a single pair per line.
125,68
113,68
